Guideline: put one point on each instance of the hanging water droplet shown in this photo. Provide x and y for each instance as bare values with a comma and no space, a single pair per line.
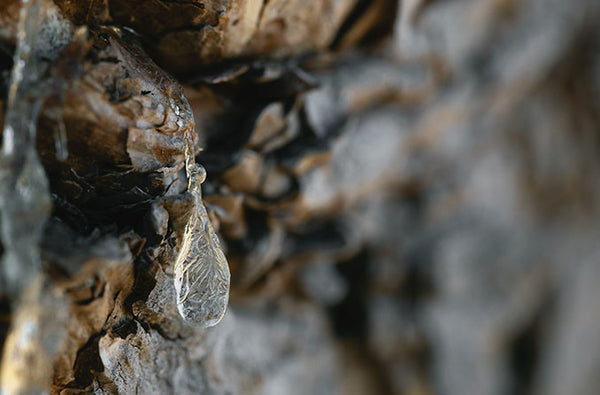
60,134
201,271
60,142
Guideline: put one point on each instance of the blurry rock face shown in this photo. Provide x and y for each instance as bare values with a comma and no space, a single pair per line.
187,35
418,215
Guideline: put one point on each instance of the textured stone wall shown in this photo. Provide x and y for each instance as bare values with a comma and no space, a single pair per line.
406,193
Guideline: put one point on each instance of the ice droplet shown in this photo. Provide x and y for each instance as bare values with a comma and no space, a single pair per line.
201,271
60,134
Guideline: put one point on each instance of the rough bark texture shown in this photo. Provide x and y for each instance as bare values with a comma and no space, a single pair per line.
407,194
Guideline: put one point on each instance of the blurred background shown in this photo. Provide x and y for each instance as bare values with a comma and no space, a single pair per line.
407,193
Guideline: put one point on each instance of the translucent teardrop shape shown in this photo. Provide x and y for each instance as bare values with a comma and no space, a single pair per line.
201,271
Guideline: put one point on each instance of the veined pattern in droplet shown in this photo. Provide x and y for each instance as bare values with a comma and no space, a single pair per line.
201,271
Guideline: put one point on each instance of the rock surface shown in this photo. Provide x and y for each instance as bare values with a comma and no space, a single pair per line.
407,206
